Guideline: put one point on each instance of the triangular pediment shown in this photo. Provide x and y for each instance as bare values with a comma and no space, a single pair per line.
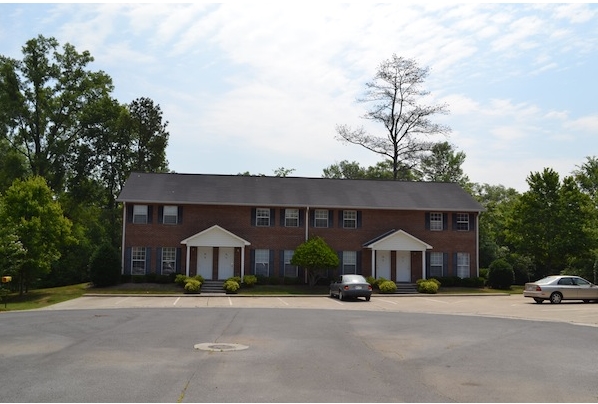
215,236
398,240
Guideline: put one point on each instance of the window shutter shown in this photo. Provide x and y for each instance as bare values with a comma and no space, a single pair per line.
427,220
127,263
455,272
340,261
358,219
160,214
253,216
301,218
252,261
428,265
271,264
312,218
178,260
358,263
129,213
148,259
159,260
282,217
454,215
445,221
340,218
445,264
472,225
180,215
150,215
273,217
281,262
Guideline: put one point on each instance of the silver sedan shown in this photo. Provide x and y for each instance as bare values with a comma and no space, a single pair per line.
346,286
561,287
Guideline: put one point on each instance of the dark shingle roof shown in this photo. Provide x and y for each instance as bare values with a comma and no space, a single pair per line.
295,192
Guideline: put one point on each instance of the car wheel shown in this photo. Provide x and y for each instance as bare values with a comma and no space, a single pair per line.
538,300
556,298
331,294
367,298
340,295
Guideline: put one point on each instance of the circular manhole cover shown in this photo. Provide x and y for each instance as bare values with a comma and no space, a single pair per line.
220,347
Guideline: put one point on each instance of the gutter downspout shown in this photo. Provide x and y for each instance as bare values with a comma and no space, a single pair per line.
122,247
306,223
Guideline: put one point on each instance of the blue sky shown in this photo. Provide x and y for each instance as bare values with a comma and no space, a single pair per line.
254,86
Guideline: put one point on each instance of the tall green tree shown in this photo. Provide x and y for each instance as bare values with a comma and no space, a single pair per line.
443,164
43,97
353,171
553,223
394,98
316,257
29,208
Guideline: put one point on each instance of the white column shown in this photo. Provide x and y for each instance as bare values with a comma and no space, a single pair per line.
188,259
424,274
242,262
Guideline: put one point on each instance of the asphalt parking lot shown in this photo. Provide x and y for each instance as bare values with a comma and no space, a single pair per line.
501,306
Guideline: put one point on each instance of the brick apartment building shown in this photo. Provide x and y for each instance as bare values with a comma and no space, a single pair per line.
231,225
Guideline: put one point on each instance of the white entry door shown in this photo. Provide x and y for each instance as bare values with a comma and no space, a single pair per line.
383,264
205,261
403,266
226,262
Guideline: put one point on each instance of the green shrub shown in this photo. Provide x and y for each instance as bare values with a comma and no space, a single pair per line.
370,279
249,280
484,273
192,286
378,281
104,266
231,286
180,279
387,287
138,278
500,274
473,282
199,278
427,286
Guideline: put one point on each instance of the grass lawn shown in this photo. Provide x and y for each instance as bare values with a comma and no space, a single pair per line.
39,298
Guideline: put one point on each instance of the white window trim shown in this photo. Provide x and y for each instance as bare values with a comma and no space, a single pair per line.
291,216
436,261
349,262
288,255
463,265
349,219
165,260
140,213
138,255
262,257
262,215
321,215
436,221
463,221
173,214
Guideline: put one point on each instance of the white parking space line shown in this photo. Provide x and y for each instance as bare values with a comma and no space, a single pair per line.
176,301
121,301
432,300
283,301
386,301
230,301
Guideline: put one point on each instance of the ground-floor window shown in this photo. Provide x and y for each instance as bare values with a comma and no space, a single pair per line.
290,271
168,260
436,263
349,262
463,265
138,261
262,262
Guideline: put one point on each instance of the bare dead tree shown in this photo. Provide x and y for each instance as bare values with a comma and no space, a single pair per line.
394,100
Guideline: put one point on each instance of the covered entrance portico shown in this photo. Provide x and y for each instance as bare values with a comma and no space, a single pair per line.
206,243
402,244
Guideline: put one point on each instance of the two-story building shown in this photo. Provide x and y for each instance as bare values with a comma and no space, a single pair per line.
232,225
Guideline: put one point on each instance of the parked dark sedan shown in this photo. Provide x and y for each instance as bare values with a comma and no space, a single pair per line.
347,286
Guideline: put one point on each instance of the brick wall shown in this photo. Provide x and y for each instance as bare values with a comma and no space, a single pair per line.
238,220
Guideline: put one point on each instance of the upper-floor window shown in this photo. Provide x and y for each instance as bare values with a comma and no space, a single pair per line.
168,260
170,215
436,221
291,217
140,214
321,218
262,217
350,219
463,221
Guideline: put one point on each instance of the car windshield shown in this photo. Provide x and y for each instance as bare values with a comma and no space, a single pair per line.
353,279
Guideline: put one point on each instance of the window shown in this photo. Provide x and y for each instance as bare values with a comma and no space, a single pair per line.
170,215
262,217
436,264
463,265
262,262
290,271
138,261
463,221
350,219
168,260
321,218
436,221
291,217
349,262
140,214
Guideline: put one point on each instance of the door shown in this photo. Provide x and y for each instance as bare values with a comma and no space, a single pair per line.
205,262
226,262
383,264
403,266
